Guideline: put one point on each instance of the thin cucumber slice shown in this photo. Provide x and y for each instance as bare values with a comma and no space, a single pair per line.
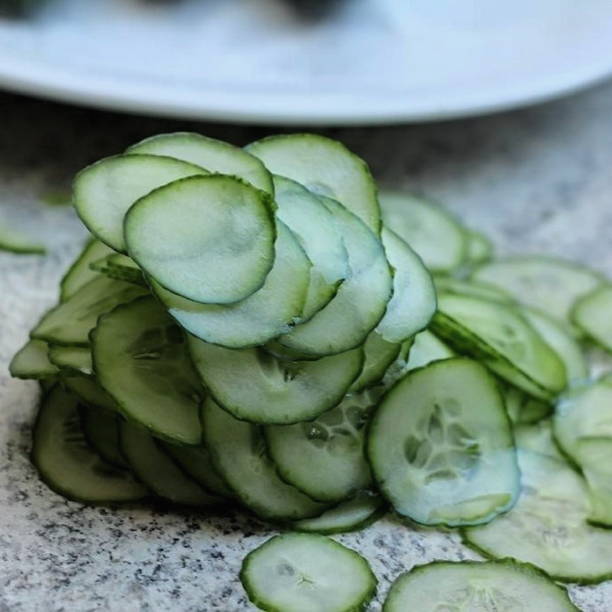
361,300
140,358
101,429
87,389
479,249
441,447
352,515
71,321
325,458
260,317
476,585
549,284
413,302
206,238
325,167
523,409
65,461
214,155
595,457
501,337
238,452
425,349
71,360
272,390
80,273
15,242
121,267
591,314
296,572
105,191
314,227
32,361
431,231
159,472
450,284
537,438
379,355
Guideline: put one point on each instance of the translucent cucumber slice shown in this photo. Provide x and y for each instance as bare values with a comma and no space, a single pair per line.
88,390
14,241
70,322
431,231
105,191
32,361
325,458
474,585
140,358
159,472
272,390
360,301
479,249
206,238
450,284
67,464
101,429
238,452
80,273
71,360
214,155
325,167
591,314
120,267
379,355
263,315
425,349
295,572
441,447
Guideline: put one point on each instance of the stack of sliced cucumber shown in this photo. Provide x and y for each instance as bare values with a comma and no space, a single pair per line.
249,327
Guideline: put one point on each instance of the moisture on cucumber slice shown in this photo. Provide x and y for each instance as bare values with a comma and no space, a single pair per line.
591,314
80,273
71,360
255,386
476,585
214,155
158,471
32,361
65,461
238,452
479,248
14,241
299,572
450,284
70,322
105,191
121,267
594,455
360,301
441,447
325,167
101,429
88,390
206,238
431,231
140,358
379,355
263,315
550,284
325,458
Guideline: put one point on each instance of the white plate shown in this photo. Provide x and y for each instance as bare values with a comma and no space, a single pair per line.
252,60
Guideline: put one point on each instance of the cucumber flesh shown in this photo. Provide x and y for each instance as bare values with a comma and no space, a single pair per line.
537,438
379,355
32,361
594,455
591,314
101,429
71,360
209,239
523,409
296,572
425,349
87,389
80,273
479,249
450,284
213,155
441,448
120,267
15,242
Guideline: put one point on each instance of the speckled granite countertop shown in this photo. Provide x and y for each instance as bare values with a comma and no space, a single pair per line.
535,180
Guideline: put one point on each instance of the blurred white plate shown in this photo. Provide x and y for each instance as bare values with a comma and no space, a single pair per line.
372,61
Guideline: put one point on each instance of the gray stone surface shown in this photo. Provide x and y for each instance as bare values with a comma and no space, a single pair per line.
536,180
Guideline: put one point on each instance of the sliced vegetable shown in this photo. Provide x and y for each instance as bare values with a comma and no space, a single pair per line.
14,241
101,429
479,249
32,361
591,313
71,360
378,357
120,267
80,273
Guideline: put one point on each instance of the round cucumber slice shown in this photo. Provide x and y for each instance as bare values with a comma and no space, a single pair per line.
32,361
13,241
80,273
101,429
425,349
591,314
379,355
296,572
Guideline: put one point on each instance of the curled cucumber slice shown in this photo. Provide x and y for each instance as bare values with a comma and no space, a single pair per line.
32,361
80,272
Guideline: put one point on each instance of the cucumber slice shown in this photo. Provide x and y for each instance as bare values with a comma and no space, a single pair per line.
441,447
379,355
70,322
549,284
271,390
140,358
67,464
595,458
260,317
352,515
206,238
479,248
71,360
159,472
431,231
87,389
449,284
296,572
238,452
214,155
101,429
15,242
105,191
120,267
476,585
361,300
314,227
591,314
80,273
325,167
523,409
413,302
500,336
32,361
325,458
537,438
425,349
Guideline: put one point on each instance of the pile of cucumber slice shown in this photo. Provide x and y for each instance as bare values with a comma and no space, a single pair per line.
259,328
